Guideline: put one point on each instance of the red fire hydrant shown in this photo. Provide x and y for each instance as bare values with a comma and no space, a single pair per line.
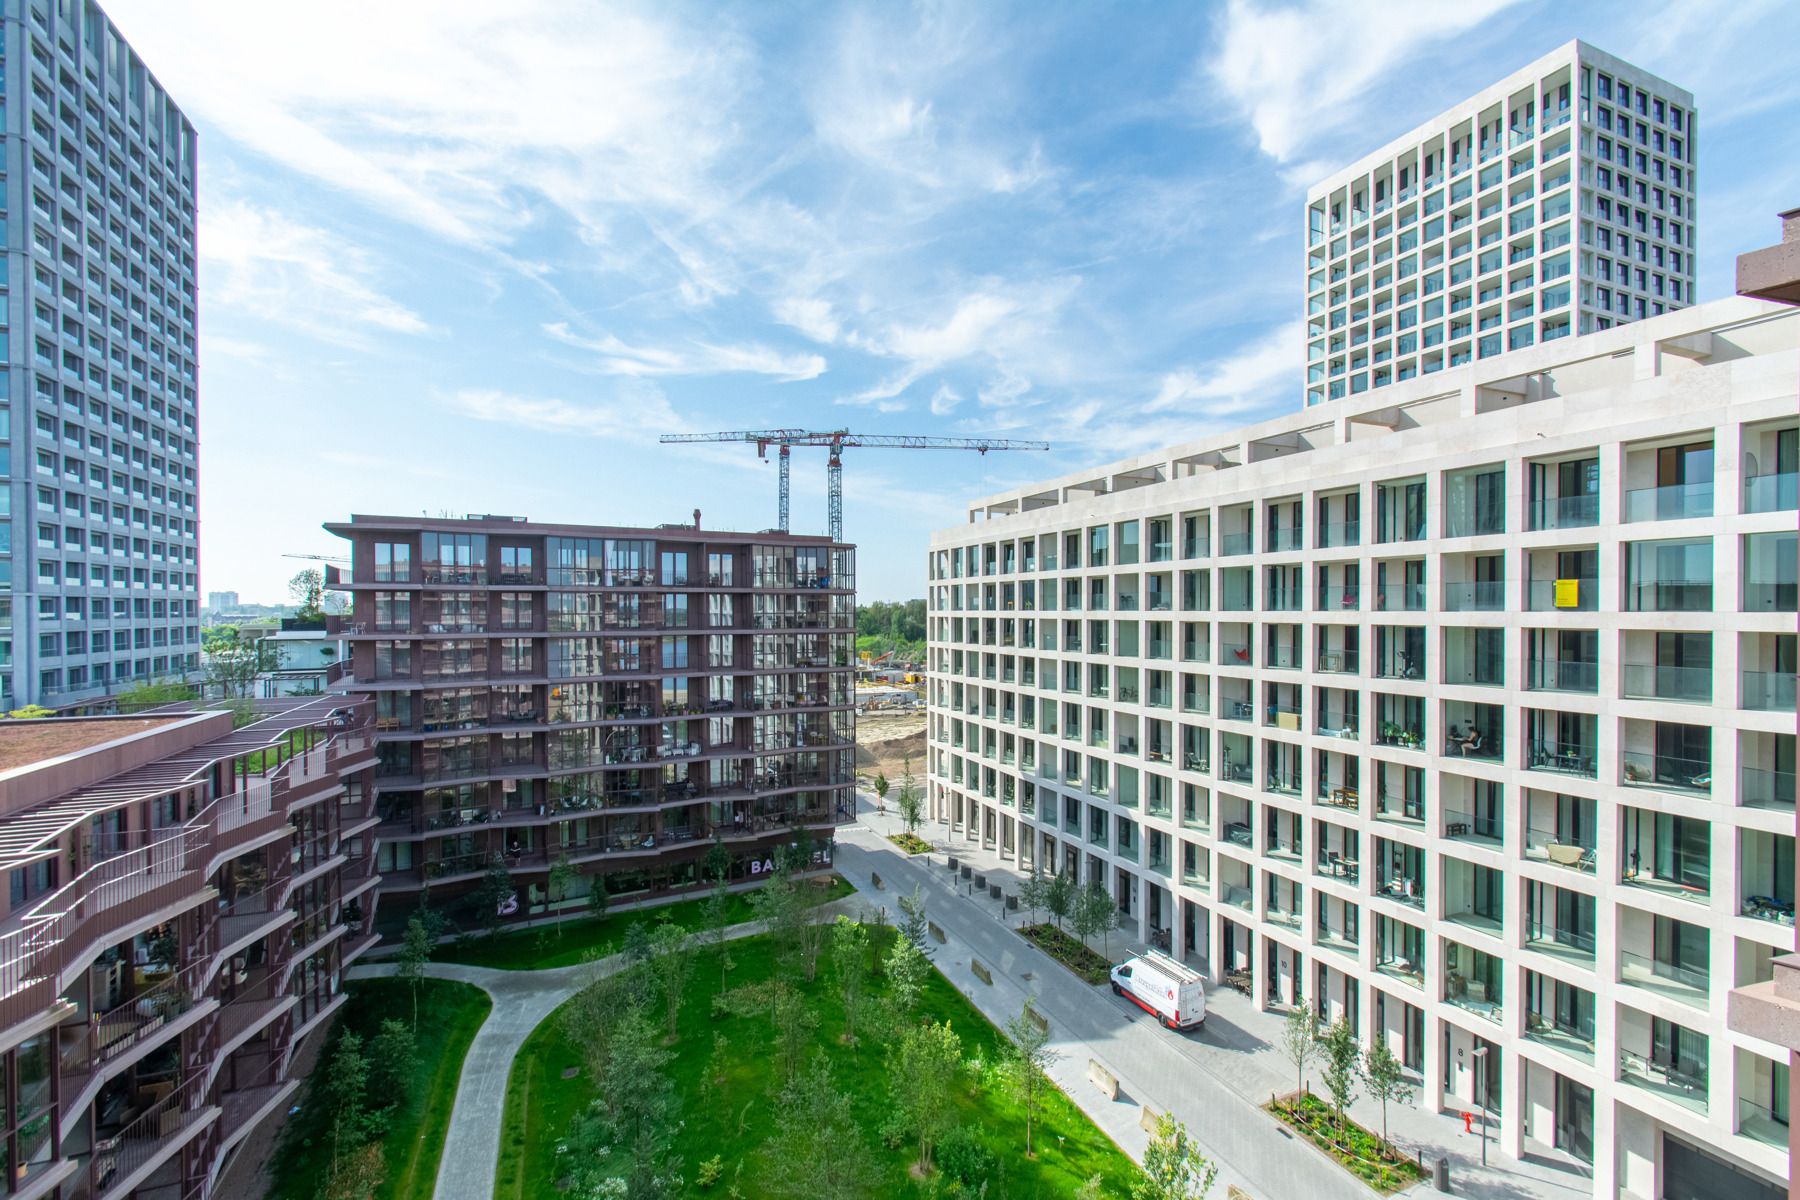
1468,1122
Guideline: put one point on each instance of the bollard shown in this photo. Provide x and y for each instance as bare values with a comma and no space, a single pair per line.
993,891
952,863
1012,902
968,872
981,881
1440,1175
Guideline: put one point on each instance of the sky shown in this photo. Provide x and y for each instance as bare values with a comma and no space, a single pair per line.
475,257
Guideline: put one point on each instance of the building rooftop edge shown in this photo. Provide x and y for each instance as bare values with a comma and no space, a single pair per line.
1729,310
492,522
1580,50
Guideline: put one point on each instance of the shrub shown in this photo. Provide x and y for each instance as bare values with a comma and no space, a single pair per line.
962,1157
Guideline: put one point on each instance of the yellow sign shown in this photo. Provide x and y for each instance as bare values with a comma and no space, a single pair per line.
1568,593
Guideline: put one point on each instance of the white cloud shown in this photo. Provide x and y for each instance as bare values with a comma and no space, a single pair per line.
944,401
1008,326
1304,69
811,316
1252,377
264,263
616,357
634,415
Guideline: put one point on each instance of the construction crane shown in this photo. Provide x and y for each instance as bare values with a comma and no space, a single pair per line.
837,440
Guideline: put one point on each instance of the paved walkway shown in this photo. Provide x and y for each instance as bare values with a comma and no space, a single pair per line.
522,1002
1213,1080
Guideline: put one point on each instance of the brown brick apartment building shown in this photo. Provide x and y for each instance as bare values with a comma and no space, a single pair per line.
619,697
182,899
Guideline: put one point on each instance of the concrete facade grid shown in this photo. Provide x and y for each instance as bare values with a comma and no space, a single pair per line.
1440,913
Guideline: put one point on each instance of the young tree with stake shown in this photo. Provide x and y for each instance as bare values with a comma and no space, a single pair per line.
849,943
1028,1062
1300,1041
1385,1077
415,952
1340,1066
1174,1168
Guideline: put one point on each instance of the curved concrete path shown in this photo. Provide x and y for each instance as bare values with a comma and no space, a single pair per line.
522,1001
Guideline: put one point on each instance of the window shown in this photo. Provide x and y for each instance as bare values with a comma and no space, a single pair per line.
393,562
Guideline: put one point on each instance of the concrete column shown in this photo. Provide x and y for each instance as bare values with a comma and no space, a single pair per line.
1512,1095
1434,1064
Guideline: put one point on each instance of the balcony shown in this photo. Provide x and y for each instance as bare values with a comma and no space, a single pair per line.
1563,675
1759,787
1759,1122
1570,945
1544,843
1565,512
1775,492
1691,685
1685,1084
1689,985
1769,691
1579,594
1550,1030
1487,596
1666,772
1675,502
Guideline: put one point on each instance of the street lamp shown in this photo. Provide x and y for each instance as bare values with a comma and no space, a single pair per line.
1480,1056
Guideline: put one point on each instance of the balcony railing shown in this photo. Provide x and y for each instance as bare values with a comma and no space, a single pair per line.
1685,1085
1772,493
1769,691
1488,596
1563,675
1545,844
1676,502
1650,681
1759,787
1641,769
1684,983
1566,512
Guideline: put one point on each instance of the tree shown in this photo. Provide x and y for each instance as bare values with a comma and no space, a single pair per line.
152,695
415,952
1093,913
1385,1077
597,898
715,868
715,915
637,1117
593,1014
1339,1045
881,790
925,1066
392,1057
913,925
638,947
1059,897
1174,1168
307,588
907,967
910,802
672,951
817,1151
1300,1040
1029,1059
1034,894
496,895
849,942
558,884
346,1078
232,661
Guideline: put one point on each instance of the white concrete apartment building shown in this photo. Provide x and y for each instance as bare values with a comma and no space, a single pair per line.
99,535
1465,712
1558,201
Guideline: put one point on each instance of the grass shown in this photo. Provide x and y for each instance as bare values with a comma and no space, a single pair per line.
732,1119
1065,948
573,941
1354,1148
449,1015
912,843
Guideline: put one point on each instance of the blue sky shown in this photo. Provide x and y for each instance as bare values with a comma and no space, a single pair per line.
476,257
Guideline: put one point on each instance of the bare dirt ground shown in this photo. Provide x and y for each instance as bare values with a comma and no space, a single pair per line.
884,740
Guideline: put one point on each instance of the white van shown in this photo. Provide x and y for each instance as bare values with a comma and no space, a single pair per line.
1162,987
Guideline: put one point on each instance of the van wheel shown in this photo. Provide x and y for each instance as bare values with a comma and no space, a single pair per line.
1117,990
1167,1024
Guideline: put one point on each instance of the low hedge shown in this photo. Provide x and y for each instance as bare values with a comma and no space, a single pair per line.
1070,952
912,843
1356,1149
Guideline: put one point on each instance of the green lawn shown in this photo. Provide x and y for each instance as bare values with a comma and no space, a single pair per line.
573,941
449,1015
733,1120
